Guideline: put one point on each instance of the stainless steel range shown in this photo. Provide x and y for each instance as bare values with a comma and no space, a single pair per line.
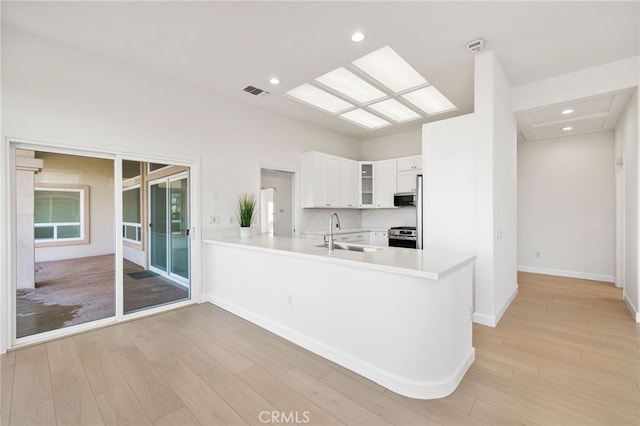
402,236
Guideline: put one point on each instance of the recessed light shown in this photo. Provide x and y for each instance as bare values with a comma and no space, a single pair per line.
387,67
568,111
274,80
566,129
357,37
365,119
319,98
347,83
395,110
430,100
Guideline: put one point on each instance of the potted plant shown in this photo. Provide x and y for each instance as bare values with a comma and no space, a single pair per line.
246,212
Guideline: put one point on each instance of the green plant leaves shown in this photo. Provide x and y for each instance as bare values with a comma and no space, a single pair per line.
246,209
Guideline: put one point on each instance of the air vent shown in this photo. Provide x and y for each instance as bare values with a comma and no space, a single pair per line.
475,46
255,91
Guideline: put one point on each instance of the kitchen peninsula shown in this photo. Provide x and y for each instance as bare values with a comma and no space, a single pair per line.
399,317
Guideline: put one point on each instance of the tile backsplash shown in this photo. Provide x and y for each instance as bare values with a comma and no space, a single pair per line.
318,219
386,218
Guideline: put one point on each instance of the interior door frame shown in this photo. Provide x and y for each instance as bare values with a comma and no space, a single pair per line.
8,338
295,195
177,278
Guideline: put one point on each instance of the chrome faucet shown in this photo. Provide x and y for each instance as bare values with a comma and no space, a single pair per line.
330,244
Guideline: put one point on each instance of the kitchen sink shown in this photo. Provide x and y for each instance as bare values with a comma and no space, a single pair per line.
352,247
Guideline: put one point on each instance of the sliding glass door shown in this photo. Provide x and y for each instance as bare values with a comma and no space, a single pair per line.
157,266
66,267
169,227
158,222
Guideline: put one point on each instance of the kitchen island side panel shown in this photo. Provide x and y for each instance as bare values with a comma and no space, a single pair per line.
410,334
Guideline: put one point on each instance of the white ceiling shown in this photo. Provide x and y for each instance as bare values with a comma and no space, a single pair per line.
226,46
592,114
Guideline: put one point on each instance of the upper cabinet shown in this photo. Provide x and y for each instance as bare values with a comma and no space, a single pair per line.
365,185
408,168
384,183
319,179
335,182
348,184
329,181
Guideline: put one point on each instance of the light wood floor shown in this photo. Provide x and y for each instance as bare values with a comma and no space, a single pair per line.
566,353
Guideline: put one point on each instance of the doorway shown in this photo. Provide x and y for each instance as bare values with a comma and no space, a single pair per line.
276,203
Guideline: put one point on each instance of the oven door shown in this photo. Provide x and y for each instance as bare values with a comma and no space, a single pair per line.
402,242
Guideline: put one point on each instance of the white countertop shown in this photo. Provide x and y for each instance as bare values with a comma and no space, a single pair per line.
346,231
429,264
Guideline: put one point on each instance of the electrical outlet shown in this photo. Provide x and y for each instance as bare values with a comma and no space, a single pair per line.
538,254
212,219
230,220
290,301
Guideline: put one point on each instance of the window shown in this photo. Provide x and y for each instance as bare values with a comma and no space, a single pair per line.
60,215
130,169
131,217
156,166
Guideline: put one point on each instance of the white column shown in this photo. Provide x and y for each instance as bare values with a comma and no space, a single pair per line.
26,168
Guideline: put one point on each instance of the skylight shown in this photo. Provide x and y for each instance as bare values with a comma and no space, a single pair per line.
429,100
374,91
347,83
319,98
365,119
395,110
387,67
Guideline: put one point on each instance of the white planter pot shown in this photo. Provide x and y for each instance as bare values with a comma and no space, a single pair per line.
245,232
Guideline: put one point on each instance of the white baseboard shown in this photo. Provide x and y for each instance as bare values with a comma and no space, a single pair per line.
630,306
402,385
493,320
488,320
568,274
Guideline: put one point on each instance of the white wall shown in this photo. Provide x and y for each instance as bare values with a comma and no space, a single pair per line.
626,142
495,191
566,206
402,144
91,102
505,198
470,188
449,173
57,94
96,173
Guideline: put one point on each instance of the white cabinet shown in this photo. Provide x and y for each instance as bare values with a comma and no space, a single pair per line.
365,185
336,182
407,181
321,180
385,175
348,183
406,163
379,238
408,169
